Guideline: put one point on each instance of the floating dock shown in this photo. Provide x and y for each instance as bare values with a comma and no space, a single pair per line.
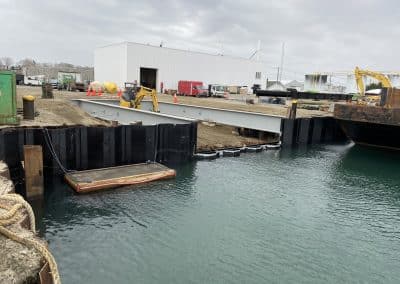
106,178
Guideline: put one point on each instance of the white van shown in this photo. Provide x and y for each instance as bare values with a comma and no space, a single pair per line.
36,80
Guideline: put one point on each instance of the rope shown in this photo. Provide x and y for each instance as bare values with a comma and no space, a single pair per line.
12,216
10,213
20,200
49,145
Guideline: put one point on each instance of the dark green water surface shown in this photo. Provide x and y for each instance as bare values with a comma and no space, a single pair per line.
328,214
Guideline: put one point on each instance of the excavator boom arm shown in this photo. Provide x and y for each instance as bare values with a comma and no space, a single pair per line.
378,76
143,93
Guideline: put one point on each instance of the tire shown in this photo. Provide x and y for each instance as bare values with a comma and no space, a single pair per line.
207,155
231,152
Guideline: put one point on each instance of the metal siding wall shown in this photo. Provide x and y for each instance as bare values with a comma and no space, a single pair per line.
110,64
174,65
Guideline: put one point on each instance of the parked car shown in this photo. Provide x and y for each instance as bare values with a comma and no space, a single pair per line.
34,80
217,91
53,83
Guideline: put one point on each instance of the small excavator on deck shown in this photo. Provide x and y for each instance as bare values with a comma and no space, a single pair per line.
134,95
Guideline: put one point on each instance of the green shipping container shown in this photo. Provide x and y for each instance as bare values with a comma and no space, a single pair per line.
8,100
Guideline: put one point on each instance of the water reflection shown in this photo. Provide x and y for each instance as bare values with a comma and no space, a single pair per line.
370,162
315,214
126,204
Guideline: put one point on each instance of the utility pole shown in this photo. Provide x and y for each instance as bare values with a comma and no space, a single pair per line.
258,50
277,75
282,55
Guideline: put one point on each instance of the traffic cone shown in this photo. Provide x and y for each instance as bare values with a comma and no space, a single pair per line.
175,99
119,93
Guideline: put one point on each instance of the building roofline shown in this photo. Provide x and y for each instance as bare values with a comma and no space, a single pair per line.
181,50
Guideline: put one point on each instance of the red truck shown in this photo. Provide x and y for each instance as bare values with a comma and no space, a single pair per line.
189,88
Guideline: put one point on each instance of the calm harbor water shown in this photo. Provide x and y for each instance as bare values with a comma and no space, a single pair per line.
327,214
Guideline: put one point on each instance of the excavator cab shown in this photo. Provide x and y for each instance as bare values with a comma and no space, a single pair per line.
129,94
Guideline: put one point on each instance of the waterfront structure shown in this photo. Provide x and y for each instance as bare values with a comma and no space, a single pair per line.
161,68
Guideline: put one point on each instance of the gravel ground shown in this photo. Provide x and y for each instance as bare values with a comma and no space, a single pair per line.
57,111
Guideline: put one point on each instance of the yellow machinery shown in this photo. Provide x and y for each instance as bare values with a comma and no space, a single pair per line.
133,96
359,73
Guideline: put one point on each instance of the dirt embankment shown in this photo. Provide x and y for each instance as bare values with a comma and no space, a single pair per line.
213,136
58,111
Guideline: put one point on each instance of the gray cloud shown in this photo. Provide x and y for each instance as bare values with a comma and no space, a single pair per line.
318,35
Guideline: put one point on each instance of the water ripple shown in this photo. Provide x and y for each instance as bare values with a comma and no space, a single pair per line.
322,214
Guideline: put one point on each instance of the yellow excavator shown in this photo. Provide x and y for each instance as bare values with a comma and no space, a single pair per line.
359,73
134,95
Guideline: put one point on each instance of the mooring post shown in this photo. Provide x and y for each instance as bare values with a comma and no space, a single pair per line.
293,109
33,166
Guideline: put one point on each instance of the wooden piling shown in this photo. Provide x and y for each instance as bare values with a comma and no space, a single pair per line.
33,166
293,110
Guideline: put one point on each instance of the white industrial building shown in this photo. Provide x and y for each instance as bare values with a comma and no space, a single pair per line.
322,83
152,66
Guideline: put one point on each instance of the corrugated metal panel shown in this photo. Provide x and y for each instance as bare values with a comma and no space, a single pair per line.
175,65
110,64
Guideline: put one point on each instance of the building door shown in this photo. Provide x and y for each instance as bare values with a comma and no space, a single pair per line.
148,77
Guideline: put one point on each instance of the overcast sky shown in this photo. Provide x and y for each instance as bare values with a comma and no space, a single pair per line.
319,35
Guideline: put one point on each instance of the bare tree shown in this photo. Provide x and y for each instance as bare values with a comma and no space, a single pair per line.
7,62
27,62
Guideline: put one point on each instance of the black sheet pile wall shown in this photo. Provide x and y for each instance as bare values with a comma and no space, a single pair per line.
314,130
82,148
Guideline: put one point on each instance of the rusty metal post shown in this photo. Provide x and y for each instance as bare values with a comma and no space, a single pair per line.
293,110
293,107
33,166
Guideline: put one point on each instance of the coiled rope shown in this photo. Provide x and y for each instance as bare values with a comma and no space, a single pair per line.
12,216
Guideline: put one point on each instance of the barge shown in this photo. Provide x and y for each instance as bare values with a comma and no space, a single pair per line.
372,125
